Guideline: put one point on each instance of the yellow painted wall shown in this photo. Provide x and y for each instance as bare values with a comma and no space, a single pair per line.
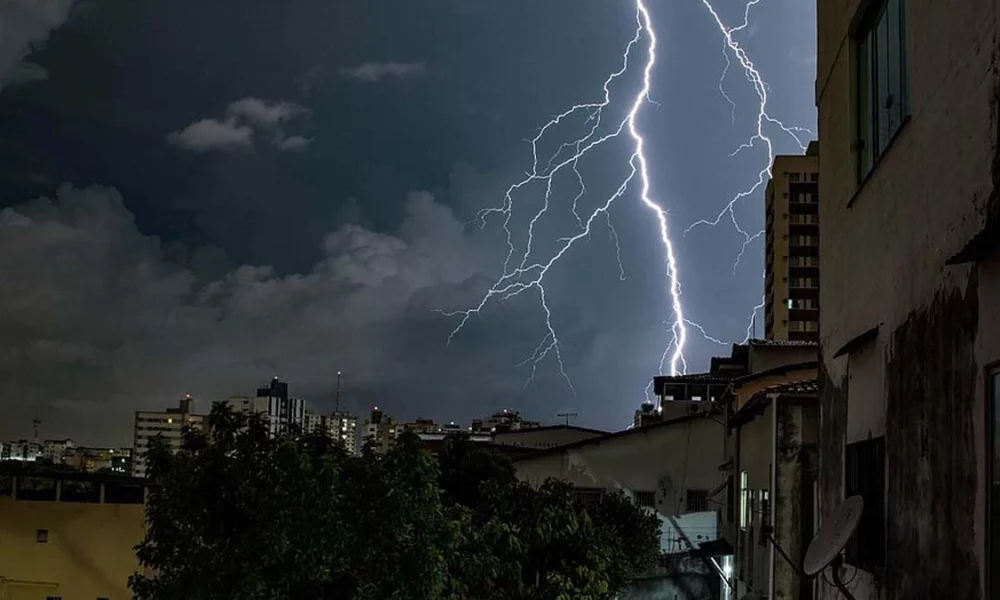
89,554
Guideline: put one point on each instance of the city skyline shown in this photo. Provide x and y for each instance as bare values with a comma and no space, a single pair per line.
252,228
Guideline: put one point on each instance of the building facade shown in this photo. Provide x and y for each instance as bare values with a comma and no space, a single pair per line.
791,260
909,110
671,468
343,426
284,414
170,423
69,536
380,430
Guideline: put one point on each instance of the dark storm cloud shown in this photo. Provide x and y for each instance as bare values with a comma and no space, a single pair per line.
235,131
125,301
105,318
372,72
26,26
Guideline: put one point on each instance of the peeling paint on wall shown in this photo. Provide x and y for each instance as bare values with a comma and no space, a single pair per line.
931,376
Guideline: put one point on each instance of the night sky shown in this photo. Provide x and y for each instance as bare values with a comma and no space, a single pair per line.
198,196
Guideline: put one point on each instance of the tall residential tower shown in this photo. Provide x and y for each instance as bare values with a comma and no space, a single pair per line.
791,262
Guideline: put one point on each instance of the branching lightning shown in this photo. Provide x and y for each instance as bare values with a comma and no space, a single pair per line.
523,271
528,273
760,136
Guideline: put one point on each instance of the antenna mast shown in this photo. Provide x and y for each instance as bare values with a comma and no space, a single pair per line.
567,415
338,392
36,422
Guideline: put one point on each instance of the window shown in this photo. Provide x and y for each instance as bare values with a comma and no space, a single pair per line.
587,496
697,501
744,501
42,536
765,516
993,518
864,474
883,89
646,499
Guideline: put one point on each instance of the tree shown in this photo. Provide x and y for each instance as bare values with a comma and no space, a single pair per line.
541,543
239,515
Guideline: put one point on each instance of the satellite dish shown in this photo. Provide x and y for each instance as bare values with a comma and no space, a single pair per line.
833,536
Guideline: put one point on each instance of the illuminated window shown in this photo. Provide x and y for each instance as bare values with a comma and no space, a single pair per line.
883,89
744,501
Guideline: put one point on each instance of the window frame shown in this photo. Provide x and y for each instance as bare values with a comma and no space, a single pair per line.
871,145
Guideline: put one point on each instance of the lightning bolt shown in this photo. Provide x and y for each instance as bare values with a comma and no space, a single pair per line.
760,136
528,273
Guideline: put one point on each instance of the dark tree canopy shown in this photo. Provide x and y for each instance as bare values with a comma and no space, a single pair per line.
239,515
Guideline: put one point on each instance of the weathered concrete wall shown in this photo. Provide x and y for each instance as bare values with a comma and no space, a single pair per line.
756,449
932,377
882,251
788,498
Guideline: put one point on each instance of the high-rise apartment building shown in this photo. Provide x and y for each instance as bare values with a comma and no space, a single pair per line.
343,427
791,262
339,425
280,412
283,413
170,423
380,430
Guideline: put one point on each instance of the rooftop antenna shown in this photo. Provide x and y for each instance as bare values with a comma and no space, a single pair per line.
338,392
567,415
36,421
825,548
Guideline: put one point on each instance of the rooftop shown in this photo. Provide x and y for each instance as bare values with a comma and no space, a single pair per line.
782,343
791,389
609,437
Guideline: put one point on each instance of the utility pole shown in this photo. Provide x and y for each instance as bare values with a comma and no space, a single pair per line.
338,392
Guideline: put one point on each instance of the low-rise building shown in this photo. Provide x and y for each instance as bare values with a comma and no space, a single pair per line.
68,535
774,454
671,467
21,451
53,450
541,438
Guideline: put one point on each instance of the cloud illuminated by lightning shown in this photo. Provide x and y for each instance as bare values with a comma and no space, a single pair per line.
528,273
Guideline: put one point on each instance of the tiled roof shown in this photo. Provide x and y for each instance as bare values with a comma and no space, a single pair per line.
792,387
783,343
696,378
